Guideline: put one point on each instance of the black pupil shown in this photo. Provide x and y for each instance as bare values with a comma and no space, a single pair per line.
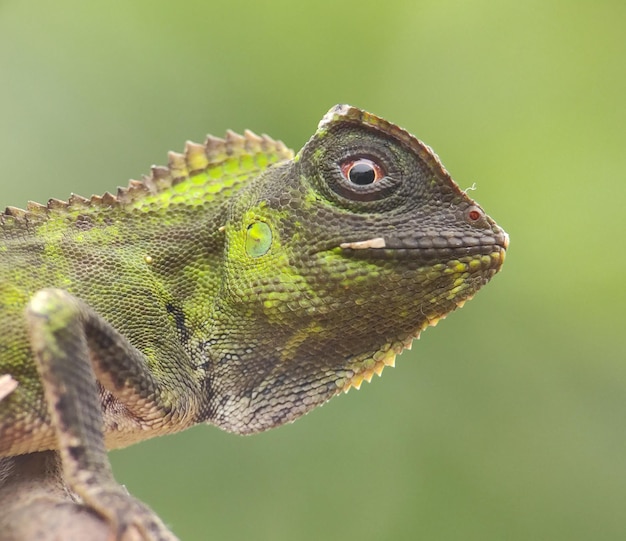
362,173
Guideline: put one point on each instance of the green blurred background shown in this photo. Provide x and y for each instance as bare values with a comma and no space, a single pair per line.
504,422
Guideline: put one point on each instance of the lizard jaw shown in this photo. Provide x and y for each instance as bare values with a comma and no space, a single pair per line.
375,364
387,355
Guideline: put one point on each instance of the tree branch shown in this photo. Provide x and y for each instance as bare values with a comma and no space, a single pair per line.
36,505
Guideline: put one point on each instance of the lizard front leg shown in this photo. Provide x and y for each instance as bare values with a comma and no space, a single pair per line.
73,349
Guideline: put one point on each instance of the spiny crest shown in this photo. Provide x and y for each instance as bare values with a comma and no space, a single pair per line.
195,159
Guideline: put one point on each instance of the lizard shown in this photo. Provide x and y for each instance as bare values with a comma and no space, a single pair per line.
241,286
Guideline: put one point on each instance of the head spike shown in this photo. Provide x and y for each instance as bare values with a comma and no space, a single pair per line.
161,177
195,156
15,212
108,199
36,208
254,143
57,204
215,147
78,201
177,165
234,142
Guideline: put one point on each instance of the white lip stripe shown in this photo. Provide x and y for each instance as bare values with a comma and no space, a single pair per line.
378,242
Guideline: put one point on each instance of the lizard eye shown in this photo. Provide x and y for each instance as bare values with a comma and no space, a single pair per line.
362,171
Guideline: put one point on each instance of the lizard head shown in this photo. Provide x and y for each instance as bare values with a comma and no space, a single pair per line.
335,261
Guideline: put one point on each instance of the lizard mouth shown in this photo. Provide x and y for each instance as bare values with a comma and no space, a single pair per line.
426,241
479,263
431,249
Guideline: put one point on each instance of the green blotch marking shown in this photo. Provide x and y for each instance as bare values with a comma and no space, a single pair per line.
99,236
194,191
318,154
200,179
238,166
262,161
258,239
247,163
298,338
215,173
455,267
11,295
457,290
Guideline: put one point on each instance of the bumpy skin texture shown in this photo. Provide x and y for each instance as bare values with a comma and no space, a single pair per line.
240,286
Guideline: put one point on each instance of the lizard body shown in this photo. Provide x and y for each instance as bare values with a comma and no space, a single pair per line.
240,286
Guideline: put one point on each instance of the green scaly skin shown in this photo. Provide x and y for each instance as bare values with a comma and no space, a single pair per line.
240,286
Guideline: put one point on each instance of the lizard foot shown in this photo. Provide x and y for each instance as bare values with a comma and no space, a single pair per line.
129,519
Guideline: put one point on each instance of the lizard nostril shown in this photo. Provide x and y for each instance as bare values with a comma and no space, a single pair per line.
473,215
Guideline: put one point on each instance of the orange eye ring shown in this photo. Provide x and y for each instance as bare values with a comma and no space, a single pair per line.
362,171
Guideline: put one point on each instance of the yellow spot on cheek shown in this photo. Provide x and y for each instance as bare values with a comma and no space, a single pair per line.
460,267
455,291
148,260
